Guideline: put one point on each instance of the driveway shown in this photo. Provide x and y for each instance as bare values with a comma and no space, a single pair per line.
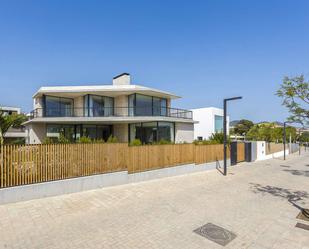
253,202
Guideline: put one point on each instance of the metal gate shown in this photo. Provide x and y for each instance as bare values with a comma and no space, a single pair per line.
248,149
233,153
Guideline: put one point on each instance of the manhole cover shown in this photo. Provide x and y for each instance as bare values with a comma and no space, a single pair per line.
303,215
216,234
302,226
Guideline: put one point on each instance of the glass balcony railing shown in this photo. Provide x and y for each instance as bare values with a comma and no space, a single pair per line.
112,112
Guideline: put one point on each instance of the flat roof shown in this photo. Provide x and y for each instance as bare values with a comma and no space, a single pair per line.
107,90
10,108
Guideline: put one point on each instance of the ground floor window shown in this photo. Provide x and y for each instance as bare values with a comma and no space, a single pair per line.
150,132
74,132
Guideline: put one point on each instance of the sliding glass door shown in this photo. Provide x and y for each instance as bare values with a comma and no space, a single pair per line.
151,132
98,106
144,105
58,107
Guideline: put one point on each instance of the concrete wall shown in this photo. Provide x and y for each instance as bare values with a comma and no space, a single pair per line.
41,190
206,121
294,148
37,103
253,151
261,152
78,106
121,101
121,132
36,133
184,132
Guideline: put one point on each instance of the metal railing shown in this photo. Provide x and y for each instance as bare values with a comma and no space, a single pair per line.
111,112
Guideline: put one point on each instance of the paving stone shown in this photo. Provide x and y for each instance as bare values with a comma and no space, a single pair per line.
252,202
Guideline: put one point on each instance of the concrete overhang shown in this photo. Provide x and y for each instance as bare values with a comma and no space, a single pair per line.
104,90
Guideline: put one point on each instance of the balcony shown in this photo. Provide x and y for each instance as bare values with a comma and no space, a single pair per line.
112,112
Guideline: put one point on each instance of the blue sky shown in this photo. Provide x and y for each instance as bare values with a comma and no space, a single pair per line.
201,50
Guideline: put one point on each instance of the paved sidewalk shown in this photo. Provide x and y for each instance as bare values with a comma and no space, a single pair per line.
252,201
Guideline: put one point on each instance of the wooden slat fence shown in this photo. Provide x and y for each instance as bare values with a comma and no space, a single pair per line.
148,157
209,153
27,164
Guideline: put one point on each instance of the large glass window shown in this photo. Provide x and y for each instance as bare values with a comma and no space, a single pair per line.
55,131
58,107
97,131
98,106
74,132
156,106
150,132
135,131
163,107
218,124
143,105
131,104
166,131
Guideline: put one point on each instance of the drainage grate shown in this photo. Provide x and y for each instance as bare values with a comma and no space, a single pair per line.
302,226
216,234
303,215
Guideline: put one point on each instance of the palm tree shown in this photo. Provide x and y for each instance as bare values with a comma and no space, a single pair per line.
7,121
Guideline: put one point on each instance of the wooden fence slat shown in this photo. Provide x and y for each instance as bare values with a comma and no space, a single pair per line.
25,164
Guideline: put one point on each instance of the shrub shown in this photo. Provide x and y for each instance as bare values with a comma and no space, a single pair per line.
84,140
163,141
63,140
112,139
99,141
50,140
217,138
136,142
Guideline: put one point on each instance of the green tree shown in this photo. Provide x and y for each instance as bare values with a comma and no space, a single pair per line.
8,121
304,137
270,133
295,95
243,127
217,137
291,132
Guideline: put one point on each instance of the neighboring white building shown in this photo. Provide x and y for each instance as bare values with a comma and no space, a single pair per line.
121,109
13,133
9,110
209,120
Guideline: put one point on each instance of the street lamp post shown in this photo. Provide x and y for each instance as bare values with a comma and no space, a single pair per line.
299,142
284,139
224,129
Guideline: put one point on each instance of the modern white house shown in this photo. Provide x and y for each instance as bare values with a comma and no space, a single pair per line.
209,121
124,110
13,133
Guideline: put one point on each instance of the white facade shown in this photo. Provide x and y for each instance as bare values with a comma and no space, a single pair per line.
121,109
208,121
8,110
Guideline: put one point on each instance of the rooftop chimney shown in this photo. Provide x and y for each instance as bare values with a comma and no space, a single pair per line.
122,79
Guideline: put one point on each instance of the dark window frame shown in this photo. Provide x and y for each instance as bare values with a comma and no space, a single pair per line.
81,127
44,103
88,103
152,106
157,126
